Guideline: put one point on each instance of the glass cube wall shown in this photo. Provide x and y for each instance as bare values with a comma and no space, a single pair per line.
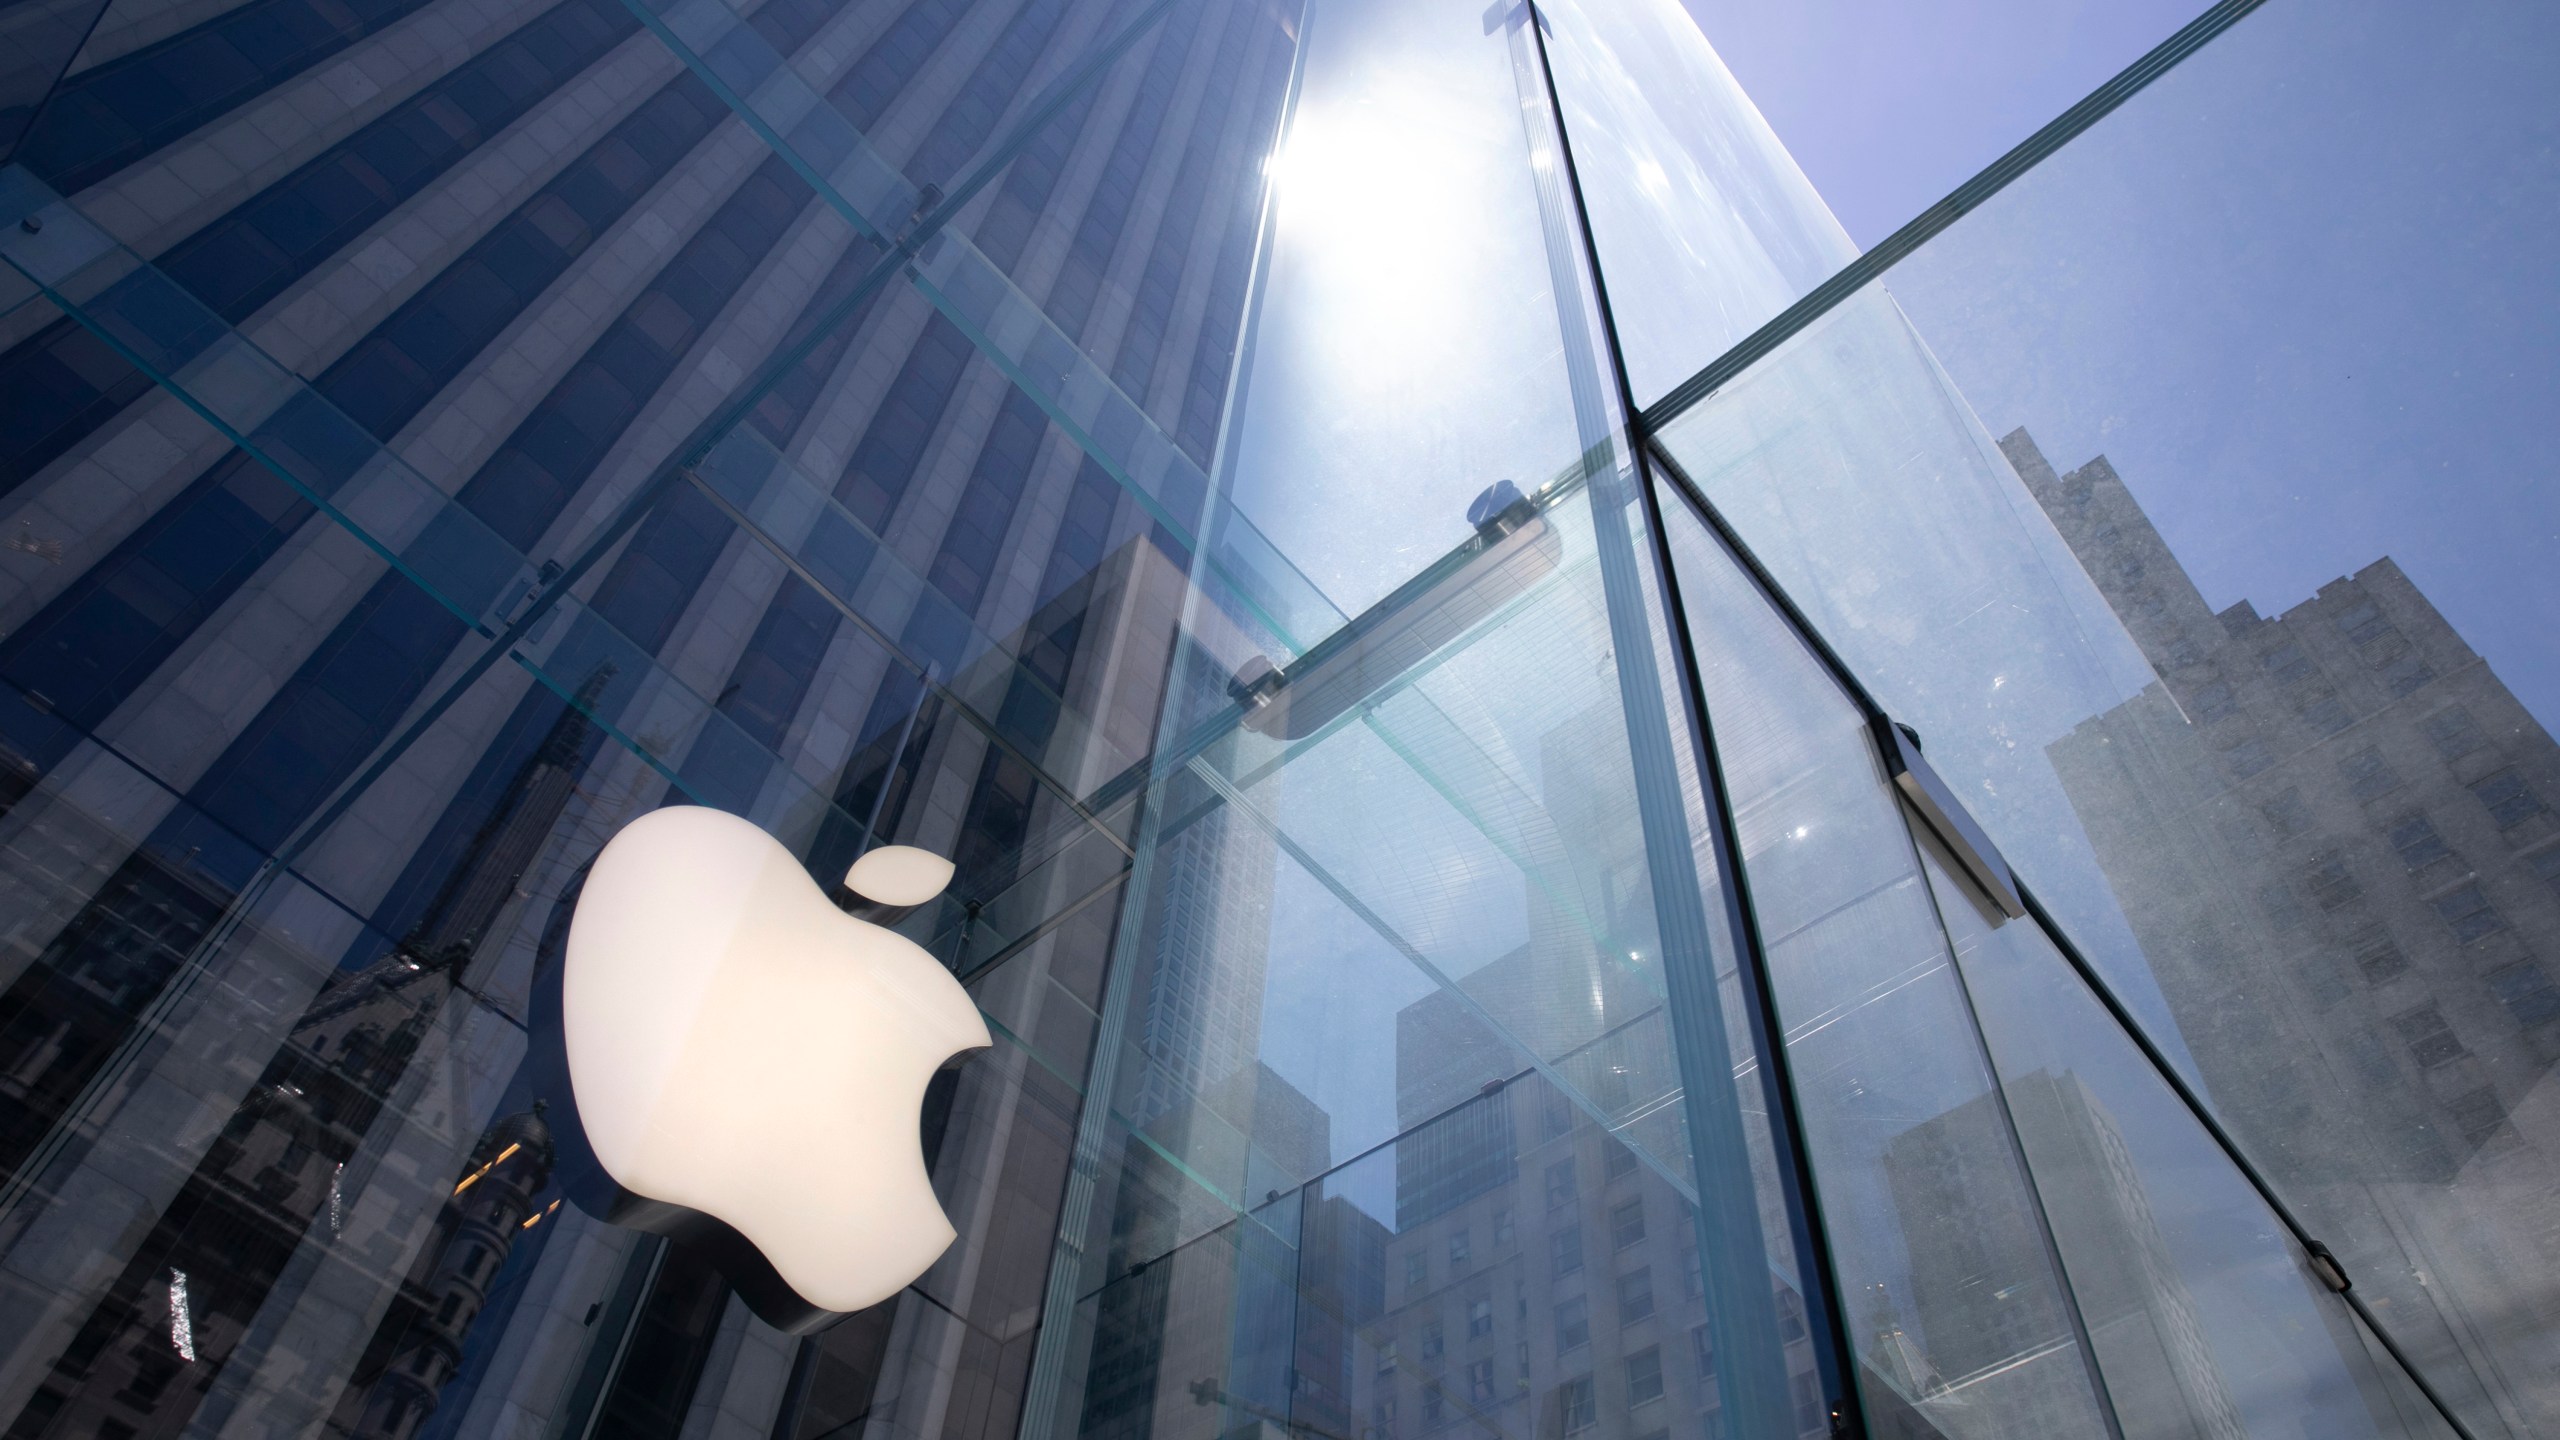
1577,811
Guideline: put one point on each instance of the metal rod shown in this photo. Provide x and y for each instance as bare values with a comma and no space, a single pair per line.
1811,1240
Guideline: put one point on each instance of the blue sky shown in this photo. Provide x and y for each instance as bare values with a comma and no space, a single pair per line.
1888,105
2300,291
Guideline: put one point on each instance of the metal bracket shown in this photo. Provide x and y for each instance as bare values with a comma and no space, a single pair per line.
1946,817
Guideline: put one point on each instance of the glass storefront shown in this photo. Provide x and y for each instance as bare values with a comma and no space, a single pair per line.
1576,810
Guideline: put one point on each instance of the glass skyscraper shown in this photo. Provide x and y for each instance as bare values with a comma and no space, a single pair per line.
1563,823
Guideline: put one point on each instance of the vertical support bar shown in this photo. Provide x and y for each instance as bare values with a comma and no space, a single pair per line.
1732,1249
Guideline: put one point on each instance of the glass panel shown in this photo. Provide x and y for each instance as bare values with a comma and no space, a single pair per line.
2231,639
1377,381
1706,229
1958,1312
2205,1319
1505,1267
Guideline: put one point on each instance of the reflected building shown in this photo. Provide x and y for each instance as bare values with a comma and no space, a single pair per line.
2328,828
1982,1378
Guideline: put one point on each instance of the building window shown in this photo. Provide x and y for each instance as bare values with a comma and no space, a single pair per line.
2327,716
1559,1115
2367,773
1573,1325
2431,1042
1417,1270
1790,1317
2213,701
1566,1246
1432,1400
1480,1381
1619,1163
2379,958
2277,900
2250,757
1635,1295
1809,1416
1703,1345
1434,1344
2478,1115
2288,664
1580,1402
1386,1359
1560,1188
1502,1227
1626,1223
2510,801
2287,814
2406,675
1458,1247
2419,845
1644,1375
1479,1319
2526,992
2363,623
2545,864
2329,881
2469,913
2453,732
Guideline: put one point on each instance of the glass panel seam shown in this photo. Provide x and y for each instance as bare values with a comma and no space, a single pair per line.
2316,1256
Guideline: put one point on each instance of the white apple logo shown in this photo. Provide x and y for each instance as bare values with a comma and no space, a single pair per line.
740,1048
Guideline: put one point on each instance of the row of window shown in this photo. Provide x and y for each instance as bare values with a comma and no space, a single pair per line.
58,386
1577,1400
105,118
103,635
342,702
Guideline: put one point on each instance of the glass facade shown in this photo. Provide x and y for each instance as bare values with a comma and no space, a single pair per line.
1577,811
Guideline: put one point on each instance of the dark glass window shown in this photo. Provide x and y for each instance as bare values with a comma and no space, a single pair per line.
2288,814
2330,882
2288,664
1617,1162
1560,1186
1644,1375
2469,913
2214,701
1434,1344
2405,675
1626,1223
1565,1246
2363,622
2327,716
2250,757
1635,1295
1480,1382
2453,732
2510,801
1479,1319
2367,773
1573,1325
1702,1345
2431,1042
2546,865
2417,842
1458,1246
2478,1115
2526,991
1579,1401
2379,958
